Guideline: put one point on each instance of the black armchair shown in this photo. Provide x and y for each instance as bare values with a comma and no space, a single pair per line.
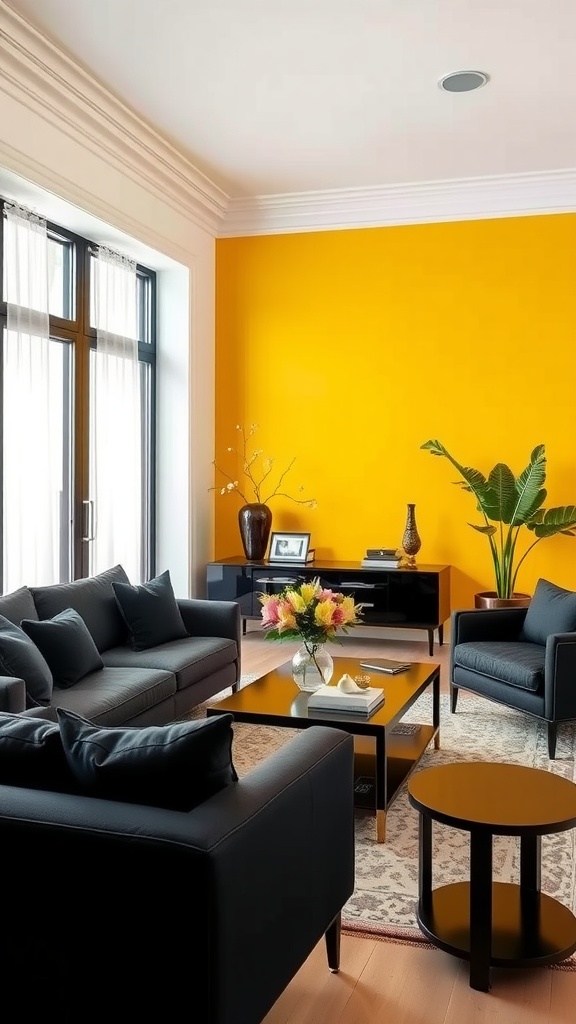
490,656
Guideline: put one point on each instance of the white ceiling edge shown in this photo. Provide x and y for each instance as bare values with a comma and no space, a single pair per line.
32,66
510,195
36,72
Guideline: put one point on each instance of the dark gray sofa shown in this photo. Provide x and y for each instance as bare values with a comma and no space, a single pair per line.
118,911
150,687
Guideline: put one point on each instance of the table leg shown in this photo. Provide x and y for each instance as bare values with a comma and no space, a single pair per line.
381,786
425,863
530,874
430,641
480,909
436,709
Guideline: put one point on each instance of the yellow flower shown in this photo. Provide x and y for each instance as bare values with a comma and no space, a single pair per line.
286,619
349,610
296,601
324,613
308,592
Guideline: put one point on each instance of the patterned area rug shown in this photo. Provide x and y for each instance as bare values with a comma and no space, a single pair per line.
384,901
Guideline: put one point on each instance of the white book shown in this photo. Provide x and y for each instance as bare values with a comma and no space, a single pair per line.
330,698
379,563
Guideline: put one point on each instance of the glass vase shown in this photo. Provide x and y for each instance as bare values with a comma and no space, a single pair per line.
312,666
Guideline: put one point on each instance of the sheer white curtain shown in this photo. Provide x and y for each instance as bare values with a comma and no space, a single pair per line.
115,522
32,409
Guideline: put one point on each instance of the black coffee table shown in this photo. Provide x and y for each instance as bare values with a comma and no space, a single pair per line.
490,923
383,760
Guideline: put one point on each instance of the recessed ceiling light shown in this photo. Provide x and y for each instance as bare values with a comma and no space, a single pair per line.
463,81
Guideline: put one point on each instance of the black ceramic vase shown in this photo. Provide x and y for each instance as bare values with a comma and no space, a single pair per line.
255,521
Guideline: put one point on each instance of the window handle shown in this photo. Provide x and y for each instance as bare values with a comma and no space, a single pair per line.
88,520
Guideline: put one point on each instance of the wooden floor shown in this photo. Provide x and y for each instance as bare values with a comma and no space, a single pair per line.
389,983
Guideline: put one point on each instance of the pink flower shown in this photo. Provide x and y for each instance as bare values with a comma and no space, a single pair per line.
271,612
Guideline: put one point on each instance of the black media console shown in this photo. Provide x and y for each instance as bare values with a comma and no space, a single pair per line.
397,598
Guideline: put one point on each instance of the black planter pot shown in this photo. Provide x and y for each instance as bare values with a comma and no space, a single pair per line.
255,521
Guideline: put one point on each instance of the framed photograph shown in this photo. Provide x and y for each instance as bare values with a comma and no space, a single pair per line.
289,547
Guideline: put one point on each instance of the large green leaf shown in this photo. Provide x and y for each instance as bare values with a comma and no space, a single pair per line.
529,493
554,520
475,481
500,496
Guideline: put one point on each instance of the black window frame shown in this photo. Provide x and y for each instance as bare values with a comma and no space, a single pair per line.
78,331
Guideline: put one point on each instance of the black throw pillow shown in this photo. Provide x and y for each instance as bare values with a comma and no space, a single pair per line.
31,754
20,657
174,766
151,612
66,645
551,610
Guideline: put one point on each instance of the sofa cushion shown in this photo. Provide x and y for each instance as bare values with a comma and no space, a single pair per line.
515,662
31,754
93,599
191,660
150,612
176,766
18,605
20,657
66,645
116,696
551,610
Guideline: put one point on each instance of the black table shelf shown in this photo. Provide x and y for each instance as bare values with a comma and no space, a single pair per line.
398,598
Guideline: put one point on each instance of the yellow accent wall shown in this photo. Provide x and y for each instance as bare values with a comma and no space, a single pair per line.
352,348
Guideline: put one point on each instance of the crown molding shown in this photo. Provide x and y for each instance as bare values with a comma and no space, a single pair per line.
515,195
35,72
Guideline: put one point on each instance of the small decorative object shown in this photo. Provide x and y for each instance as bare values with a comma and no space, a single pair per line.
510,502
313,615
349,685
411,542
363,682
289,547
254,524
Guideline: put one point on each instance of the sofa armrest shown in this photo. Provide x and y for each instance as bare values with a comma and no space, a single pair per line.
250,879
12,694
211,618
560,677
487,624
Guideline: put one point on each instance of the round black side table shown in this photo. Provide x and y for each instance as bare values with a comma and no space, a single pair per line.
489,923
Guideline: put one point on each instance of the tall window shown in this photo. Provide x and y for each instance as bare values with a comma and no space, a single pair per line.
77,390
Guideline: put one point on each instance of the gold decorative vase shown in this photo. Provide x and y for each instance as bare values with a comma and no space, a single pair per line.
411,542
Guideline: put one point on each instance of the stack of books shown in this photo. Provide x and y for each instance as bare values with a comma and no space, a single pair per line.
380,558
331,698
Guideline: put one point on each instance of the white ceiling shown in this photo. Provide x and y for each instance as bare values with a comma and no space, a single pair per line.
289,96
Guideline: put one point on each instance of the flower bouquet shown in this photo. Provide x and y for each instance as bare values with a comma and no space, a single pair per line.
312,614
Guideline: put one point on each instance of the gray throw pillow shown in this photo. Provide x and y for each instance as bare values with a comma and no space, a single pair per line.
150,612
20,657
93,599
175,766
66,645
31,754
551,610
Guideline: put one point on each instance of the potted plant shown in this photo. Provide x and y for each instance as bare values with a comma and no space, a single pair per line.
511,502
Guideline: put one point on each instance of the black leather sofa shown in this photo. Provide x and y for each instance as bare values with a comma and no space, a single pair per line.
115,911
